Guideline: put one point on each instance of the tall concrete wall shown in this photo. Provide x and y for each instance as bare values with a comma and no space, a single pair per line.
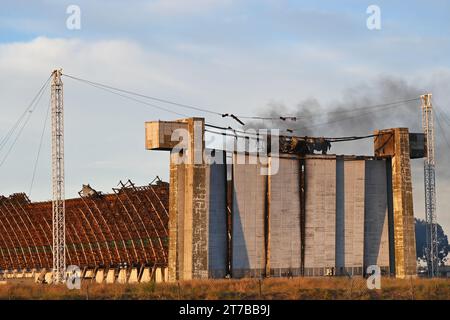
320,228
394,144
217,224
248,242
285,241
350,216
197,221
346,225
376,240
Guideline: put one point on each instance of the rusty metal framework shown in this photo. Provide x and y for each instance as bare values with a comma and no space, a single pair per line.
129,226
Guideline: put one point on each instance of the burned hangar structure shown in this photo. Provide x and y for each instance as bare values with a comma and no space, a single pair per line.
313,215
307,215
120,236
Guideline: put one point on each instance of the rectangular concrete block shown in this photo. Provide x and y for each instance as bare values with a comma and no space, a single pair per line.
89,274
320,224
350,216
158,134
249,192
146,275
217,222
285,241
376,241
100,276
133,278
111,276
122,276
166,274
158,275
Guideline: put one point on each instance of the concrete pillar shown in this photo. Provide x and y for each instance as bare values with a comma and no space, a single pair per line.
166,274
111,276
394,143
146,273
188,209
133,276
100,276
122,277
158,275
190,241
89,274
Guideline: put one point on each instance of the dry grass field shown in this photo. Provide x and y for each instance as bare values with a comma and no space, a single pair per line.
293,289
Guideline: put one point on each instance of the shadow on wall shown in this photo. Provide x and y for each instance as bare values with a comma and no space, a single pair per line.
240,264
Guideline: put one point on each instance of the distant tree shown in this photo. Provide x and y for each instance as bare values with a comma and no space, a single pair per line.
421,242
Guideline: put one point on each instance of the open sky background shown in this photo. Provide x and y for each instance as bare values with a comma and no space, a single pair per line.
243,57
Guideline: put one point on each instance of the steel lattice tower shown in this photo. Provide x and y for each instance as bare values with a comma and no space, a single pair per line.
430,187
58,217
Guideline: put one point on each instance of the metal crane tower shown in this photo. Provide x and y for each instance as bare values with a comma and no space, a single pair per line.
58,218
430,187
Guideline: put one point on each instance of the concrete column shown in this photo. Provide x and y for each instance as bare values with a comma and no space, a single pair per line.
192,251
133,276
146,276
111,276
158,275
100,276
394,143
122,278
188,221
89,274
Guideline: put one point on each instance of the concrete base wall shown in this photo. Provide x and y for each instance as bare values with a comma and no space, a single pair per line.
133,278
320,224
111,276
146,275
159,275
350,217
376,241
249,192
100,276
285,241
217,221
122,276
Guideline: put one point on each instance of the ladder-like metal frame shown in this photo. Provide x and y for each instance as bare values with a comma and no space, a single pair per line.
58,217
430,187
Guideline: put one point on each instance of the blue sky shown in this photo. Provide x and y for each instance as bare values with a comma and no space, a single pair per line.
238,56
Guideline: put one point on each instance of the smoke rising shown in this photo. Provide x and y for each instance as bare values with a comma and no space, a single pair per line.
340,117
359,111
